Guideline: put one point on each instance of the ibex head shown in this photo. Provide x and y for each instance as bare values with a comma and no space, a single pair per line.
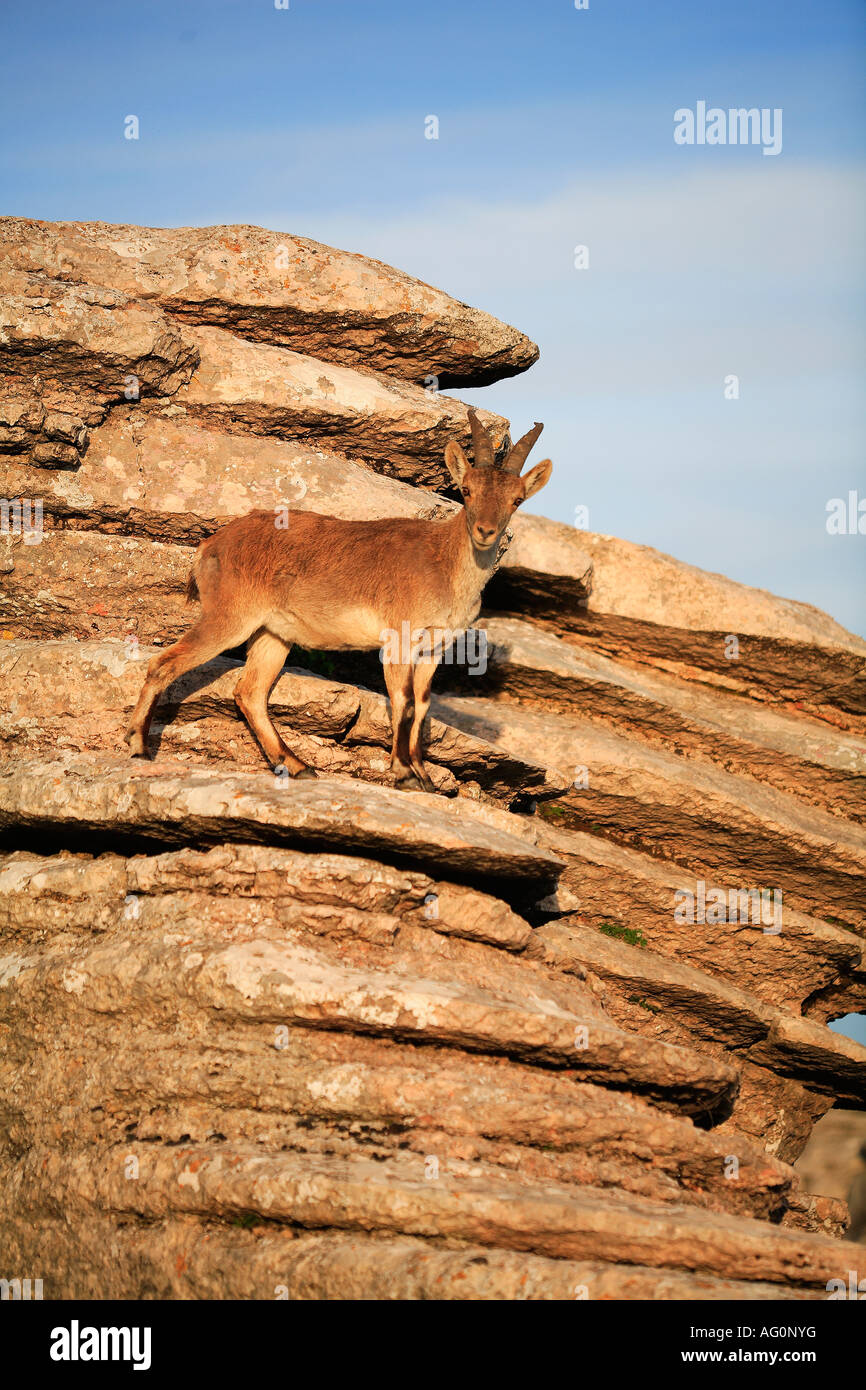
491,492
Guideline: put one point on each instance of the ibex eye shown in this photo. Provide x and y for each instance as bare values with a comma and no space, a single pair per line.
465,491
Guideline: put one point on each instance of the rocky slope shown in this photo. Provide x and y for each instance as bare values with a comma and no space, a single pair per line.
558,1031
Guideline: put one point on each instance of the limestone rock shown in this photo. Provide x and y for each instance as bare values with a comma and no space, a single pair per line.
67,352
549,570
86,584
636,581
173,803
394,1198
811,964
330,1039
178,1259
399,428
648,606
784,748
711,1010
291,1007
693,814
823,1215
283,289
162,475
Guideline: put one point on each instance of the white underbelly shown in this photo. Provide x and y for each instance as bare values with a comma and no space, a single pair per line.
350,629
358,628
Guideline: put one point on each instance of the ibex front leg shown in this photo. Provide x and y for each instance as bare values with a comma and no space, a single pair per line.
398,679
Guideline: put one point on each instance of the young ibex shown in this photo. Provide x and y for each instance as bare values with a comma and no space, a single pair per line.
331,584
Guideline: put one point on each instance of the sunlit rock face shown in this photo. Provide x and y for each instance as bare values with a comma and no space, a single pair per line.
558,1029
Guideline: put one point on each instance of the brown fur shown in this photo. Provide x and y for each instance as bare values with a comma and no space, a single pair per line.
323,582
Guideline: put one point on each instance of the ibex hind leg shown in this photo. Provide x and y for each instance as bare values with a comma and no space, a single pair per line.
266,654
208,637
398,680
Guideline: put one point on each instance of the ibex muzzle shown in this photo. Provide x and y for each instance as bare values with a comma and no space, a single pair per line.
329,584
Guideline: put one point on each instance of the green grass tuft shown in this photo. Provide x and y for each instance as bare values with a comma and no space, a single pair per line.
620,933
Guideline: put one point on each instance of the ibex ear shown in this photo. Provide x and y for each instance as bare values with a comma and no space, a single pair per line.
456,461
536,478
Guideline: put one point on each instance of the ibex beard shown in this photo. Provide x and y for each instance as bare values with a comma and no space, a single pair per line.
334,585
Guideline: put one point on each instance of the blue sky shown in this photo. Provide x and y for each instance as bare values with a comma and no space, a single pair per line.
555,129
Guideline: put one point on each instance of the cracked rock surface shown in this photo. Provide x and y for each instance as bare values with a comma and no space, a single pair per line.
559,1029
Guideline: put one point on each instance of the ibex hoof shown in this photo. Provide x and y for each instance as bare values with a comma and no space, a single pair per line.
303,774
412,784
137,746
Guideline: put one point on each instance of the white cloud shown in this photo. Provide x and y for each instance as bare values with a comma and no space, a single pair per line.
779,222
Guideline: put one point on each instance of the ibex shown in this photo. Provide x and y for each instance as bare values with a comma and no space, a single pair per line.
330,584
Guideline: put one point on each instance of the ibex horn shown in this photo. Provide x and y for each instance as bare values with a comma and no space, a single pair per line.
518,455
482,448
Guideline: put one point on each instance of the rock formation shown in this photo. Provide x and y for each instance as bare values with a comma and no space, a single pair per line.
558,1031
